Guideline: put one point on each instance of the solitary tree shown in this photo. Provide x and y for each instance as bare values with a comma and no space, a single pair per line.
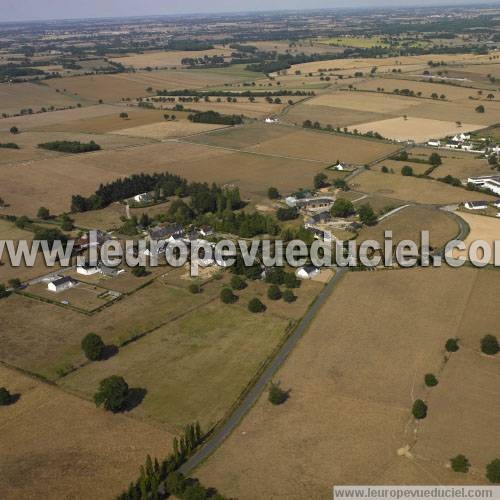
5,397
238,283
407,171
227,296
139,271
93,346
14,130
274,292
489,345
277,396
194,288
43,213
460,463
493,471
123,115
273,193
430,380
452,345
112,393
419,409
480,109
288,296
14,283
320,180
256,306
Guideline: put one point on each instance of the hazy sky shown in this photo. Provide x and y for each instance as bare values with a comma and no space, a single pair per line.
14,10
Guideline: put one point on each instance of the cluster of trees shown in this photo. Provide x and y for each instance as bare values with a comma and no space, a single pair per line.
243,224
5,397
70,146
12,71
9,145
215,117
207,61
344,208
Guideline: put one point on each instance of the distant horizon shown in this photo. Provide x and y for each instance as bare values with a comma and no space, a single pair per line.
61,10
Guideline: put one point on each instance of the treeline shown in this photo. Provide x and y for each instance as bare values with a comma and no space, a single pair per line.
285,61
246,225
70,146
189,45
216,118
231,93
154,475
206,61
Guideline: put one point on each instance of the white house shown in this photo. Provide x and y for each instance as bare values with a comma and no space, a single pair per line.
476,205
87,270
339,166
60,284
271,120
307,272
434,142
141,198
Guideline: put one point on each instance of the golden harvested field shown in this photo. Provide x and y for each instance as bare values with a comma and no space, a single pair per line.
27,122
210,354
413,189
366,101
481,228
399,62
409,222
56,445
113,88
109,122
453,111
452,92
415,129
326,147
166,58
352,380
17,96
287,141
258,109
166,129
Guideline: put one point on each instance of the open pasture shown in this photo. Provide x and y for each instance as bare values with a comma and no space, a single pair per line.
36,336
461,165
415,129
408,223
56,445
413,189
17,96
351,380
193,368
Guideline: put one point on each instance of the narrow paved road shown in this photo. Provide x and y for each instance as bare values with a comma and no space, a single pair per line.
267,375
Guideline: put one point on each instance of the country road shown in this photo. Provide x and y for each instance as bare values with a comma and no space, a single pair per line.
267,375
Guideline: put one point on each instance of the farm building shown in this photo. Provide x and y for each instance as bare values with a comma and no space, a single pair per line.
166,231
307,272
491,182
60,284
87,270
310,203
476,205
142,198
